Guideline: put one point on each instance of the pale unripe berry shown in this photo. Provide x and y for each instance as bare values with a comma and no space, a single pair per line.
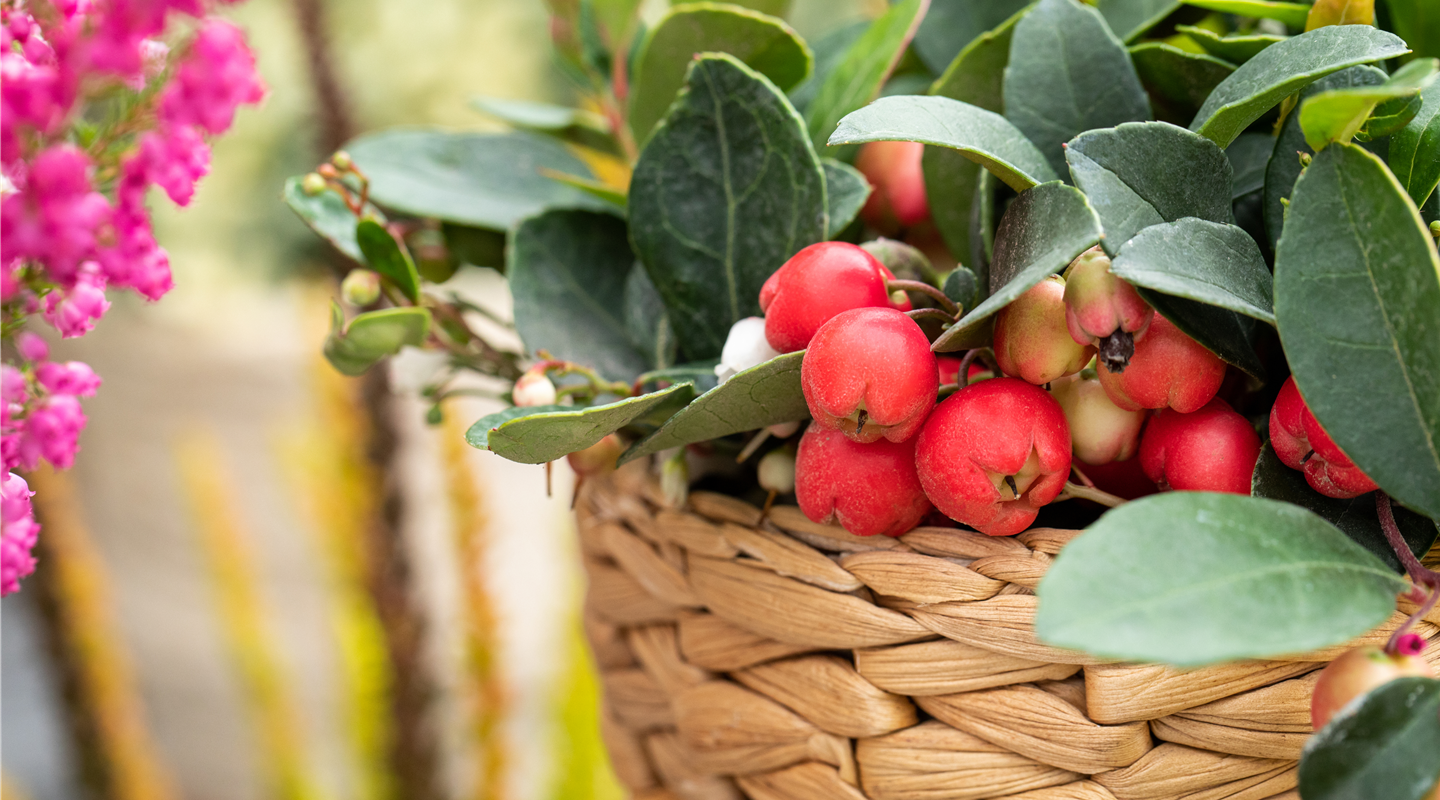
361,287
598,458
897,199
341,160
1357,672
776,471
675,479
1100,431
533,389
745,347
1103,310
784,430
1032,341
312,184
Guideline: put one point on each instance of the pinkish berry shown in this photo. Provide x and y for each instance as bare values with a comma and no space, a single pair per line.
1103,310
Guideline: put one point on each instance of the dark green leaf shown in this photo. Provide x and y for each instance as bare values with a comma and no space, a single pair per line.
477,246
1389,117
1382,746
489,180
539,434
1418,23
1145,173
905,261
1211,262
1236,48
759,396
385,256
371,336
1284,166
327,215
1357,298
858,78
567,274
1130,18
1193,578
1292,14
534,116
1068,74
845,193
1415,149
599,190
983,136
646,322
700,373
1284,68
1249,154
830,51
727,189
1179,81
1355,517
1042,231
952,25
762,42
1229,335
962,286
1336,115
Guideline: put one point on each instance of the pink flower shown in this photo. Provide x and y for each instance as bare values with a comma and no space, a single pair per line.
217,75
122,26
175,157
55,215
75,312
72,377
18,532
31,347
9,282
52,432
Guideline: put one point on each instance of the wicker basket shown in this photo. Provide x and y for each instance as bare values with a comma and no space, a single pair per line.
783,659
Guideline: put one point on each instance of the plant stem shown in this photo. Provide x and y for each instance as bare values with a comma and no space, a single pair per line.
1074,491
1419,574
925,289
931,313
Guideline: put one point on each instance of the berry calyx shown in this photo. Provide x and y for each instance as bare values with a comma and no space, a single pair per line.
1031,338
1168,369
869,373
1302,444
1358,672
897,200
816,284
993,453
1103,310
1100,431
868,489
1213,449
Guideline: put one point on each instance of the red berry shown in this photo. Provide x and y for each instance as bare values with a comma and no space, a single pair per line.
869,373
1169,369
816,284
1100,431
1210,450
1355,673
993,453
897,200
597,458
1031,341
1103,310
867,488
1302,444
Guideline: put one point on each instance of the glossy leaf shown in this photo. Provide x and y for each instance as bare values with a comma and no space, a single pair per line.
489,180
1194,578
1357,298
1235,48
1383,745
764,43
1292,14
1418,23
1249,154
727,189
829,51
950,26
1177,80
352,349
646,323
568,124
327,215
1415,149
1355,517
1211,262
1336,115
567,274
982,136
1144,173
867,64
1043,230
1227,334
385,256
962,286
1340,12
1284,68
846,191
759,396
539,434
1068,74
1131,18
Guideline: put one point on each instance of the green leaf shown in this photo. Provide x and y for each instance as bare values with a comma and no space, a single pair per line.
1043,230
1210,262
1068,74
1130,18
1284,166
1389,117
1336,115
982,136
830,51
568,124
845,193
950,26
764,43
1292,14
488,180
597,189
539,434
1418,23
759,396
1194,578
385,256
963,287
1249,154
1225,333
567,274
1284,68
646,322
327,215
371,336
1383,745
727,189
1177,80
700,373
1144,173
1413,149
1357,298
858,78
1355,517
1235,48
480,247
952,180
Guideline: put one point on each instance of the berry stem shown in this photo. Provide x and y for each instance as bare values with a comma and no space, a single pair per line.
931,313
1419,574
927,290
753,445
1074,491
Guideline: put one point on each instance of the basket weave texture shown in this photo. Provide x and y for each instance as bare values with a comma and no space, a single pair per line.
778,659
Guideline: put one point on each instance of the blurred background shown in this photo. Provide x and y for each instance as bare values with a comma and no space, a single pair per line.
232,602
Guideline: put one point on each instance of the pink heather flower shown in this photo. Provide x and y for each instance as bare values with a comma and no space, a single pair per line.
72,377
32,347
175,157
54,216
9,282
18,532
217,75
75,312
122,26
52,432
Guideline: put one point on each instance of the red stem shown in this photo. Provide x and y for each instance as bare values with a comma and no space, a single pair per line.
1419,574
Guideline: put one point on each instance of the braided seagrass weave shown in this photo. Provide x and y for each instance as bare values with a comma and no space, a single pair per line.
780,659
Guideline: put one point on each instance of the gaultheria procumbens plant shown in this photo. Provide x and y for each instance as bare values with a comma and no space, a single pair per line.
1222,196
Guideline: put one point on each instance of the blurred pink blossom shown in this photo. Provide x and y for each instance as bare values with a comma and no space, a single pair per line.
18,532
75,312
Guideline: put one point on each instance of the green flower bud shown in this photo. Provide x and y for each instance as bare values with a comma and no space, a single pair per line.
312,184
360,288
